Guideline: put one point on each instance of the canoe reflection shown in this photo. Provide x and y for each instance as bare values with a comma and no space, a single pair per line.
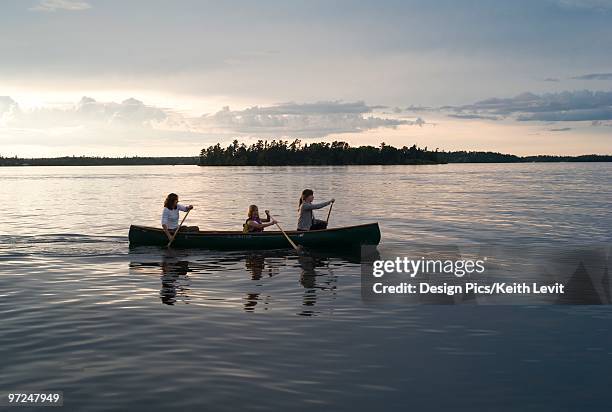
217,279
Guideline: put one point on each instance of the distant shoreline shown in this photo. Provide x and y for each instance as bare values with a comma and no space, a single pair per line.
99,161
195,161
283,153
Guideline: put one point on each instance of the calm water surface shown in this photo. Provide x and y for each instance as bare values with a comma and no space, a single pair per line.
147,328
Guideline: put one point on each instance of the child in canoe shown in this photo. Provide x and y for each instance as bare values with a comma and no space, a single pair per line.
254,223
306,219
170,215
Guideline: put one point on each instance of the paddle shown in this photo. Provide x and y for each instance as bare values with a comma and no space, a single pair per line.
329,213
178,228
297,249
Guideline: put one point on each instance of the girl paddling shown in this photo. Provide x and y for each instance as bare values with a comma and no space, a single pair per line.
254,223
306,219
170,215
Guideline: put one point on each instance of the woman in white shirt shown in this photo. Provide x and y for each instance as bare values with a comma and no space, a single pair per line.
170,215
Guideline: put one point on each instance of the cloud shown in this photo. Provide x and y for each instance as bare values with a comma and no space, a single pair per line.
8,109
568,115
600,123
318,108
130,111
55,5
551,79
594,76
598,5
473,116
582,105
132,123
562,129
88,121
129,124
309,119
7,104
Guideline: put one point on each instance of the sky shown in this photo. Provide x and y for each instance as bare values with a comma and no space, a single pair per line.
115,78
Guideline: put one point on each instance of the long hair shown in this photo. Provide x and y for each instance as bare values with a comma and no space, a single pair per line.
252,210
305,194
170,199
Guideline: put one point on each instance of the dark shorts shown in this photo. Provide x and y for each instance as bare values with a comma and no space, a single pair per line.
317,225
186,229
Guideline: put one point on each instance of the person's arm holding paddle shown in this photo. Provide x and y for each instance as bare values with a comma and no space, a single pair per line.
165,220
254,223
170,215
318,224
183,208
313,206
260,226
306,220
267,219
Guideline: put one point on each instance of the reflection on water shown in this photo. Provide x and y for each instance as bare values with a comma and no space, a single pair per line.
175,281
178,269
174,277
256,264
309,277
153,329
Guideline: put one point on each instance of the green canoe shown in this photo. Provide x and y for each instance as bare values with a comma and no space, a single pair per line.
336,238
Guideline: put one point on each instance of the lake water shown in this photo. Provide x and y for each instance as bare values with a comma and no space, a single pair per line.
148,329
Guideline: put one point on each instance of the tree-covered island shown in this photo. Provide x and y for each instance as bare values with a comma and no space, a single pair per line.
283,153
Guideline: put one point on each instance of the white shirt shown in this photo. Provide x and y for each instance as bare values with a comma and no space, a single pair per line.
170,217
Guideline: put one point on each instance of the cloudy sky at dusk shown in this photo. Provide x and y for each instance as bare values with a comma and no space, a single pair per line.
105,77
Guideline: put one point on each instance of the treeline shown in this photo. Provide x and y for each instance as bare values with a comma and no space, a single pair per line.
97,161
583,158
281,153
493,157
